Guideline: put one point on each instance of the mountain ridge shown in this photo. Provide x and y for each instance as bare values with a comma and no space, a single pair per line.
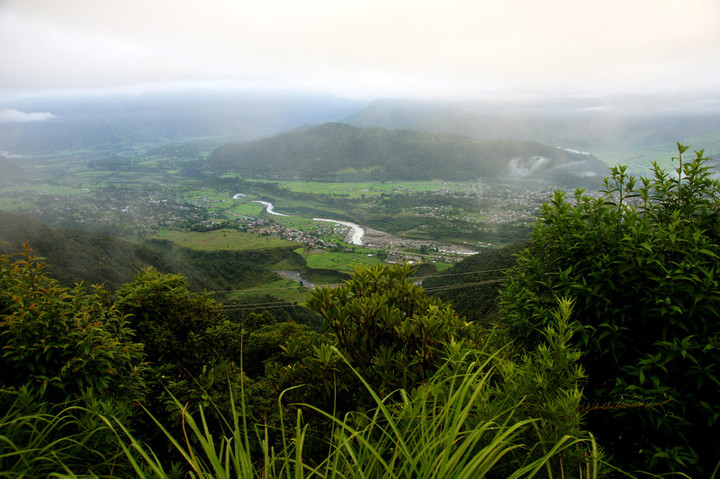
338,151
616,130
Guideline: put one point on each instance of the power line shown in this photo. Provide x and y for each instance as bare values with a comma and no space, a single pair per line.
463,274
253,307
464,285
419,278
270,303
290,304
252,290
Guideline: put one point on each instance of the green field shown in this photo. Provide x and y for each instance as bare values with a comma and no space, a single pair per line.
283,289
44,189
223,240
442,266
368,189
246,209
14,204
343,262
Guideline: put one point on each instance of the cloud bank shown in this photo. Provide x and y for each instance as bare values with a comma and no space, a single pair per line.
376,47
15,116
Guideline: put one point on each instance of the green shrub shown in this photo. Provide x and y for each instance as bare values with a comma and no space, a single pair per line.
387,327
63,340
641,262
177,326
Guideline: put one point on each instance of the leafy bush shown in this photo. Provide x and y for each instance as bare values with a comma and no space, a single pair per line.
177,326
390,330
65,341
68,356
641,262
193,349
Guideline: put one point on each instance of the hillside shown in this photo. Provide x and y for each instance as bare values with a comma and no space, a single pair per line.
79,256
336,151
628,130
472,285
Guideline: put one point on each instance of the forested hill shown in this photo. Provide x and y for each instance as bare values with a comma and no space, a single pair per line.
472,285
615,129
74,256
80,256
336,151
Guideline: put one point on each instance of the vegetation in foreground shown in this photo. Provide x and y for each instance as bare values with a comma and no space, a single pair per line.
153,380
101,386
641,262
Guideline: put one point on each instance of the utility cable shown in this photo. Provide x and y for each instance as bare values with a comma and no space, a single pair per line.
419,278
289,304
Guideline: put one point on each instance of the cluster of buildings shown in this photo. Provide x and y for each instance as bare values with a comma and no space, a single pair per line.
290,234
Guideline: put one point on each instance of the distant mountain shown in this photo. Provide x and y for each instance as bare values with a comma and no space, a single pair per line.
616,130
95,125
336,151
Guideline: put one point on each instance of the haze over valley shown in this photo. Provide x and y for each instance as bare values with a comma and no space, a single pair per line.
424,178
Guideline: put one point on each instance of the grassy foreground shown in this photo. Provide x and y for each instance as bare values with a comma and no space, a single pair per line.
435,433
223,240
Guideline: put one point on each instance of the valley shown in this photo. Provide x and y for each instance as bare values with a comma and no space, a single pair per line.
158,199
349,184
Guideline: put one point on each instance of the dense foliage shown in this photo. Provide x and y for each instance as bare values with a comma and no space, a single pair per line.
388,328
401,368
67,355
65,341
641,262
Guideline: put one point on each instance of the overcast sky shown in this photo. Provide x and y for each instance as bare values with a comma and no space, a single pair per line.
400,48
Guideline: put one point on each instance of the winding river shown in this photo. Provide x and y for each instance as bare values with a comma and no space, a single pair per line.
356,231
269,207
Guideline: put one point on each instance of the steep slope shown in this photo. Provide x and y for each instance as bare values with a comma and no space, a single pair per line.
472,285
79,256
73,256
336,151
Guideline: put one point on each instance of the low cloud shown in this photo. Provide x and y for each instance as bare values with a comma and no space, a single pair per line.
15,116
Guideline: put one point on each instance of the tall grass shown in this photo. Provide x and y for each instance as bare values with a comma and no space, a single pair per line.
444,429
40,439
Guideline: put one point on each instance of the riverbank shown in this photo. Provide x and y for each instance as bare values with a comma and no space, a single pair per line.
354,236
371,238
